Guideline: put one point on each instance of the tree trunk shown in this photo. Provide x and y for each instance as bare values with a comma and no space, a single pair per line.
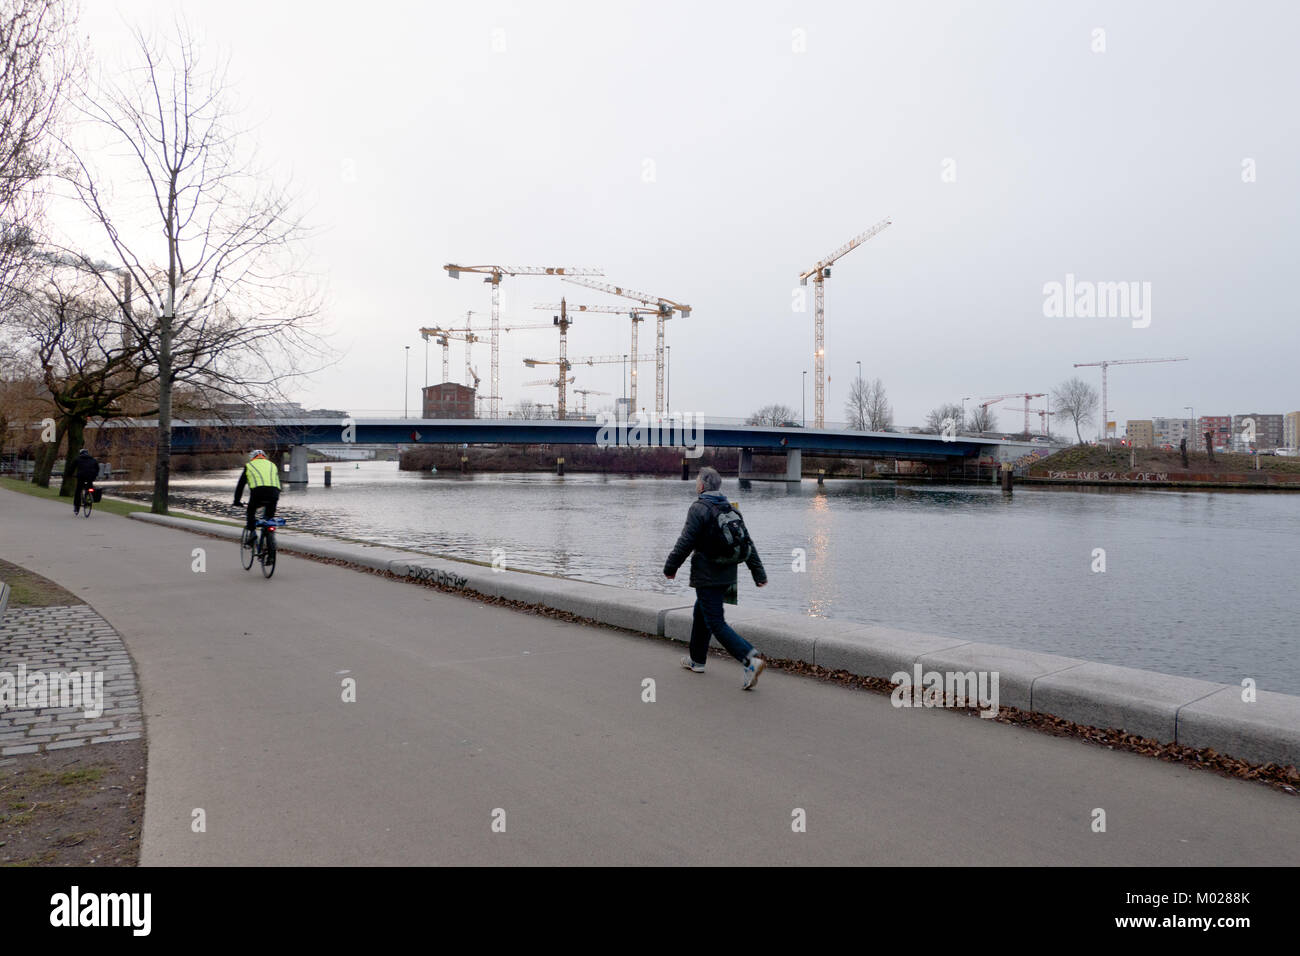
1076,431
76,442
45,457
163,458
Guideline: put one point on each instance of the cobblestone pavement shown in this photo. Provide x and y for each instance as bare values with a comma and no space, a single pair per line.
39,647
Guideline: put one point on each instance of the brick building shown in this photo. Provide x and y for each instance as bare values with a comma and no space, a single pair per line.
449,400
1220,425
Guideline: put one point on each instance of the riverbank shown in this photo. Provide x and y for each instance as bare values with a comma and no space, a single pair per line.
1161,468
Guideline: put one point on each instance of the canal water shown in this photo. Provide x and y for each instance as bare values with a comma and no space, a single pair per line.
1202,584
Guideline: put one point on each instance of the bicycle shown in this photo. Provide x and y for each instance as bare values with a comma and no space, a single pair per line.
87,499
255,546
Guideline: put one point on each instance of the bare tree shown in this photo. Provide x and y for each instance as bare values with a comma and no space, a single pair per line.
880,414
210,242
856,406
983,419
946,418
868,406
88,365
39,61
773,415
1076,400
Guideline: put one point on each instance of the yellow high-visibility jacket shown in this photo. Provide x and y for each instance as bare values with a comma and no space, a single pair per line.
261,473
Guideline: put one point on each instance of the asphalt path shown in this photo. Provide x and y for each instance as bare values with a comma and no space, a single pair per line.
482,735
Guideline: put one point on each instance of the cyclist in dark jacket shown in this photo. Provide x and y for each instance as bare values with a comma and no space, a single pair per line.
87,472
711,580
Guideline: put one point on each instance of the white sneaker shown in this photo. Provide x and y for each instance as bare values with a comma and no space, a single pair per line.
755,667
690,665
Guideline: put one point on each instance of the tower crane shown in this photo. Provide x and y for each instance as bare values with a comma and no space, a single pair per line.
494,275
584,392
443,337
819,273
994,399
663,310
567,363
637,314
1105,429
1042,414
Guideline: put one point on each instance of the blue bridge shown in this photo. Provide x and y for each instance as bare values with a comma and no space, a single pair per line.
691,434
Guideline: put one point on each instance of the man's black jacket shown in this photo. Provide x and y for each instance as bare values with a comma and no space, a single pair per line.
87,468
705,572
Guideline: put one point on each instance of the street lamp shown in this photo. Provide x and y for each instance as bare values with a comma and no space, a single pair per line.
803,394
406,391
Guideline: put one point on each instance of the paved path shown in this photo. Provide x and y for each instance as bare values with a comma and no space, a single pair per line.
462,709
86,691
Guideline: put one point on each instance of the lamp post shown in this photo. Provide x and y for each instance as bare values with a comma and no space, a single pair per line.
1190,430
861,411
963,410
406,390
803,394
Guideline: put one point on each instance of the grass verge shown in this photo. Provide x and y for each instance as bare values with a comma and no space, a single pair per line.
114,506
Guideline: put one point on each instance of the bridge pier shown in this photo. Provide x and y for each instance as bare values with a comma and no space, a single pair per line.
297,476
793,467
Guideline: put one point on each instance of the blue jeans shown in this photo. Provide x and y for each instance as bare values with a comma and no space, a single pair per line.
709,621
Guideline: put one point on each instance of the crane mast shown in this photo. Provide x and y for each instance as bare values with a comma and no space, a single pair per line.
819,273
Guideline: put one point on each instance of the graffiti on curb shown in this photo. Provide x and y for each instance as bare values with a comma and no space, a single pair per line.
436,576
1110,475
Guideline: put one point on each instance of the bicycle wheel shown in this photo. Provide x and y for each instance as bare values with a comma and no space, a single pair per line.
247,548
268,553
86,502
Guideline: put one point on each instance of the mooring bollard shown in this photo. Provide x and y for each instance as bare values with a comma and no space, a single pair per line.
559,467
327,476
821,476
686,469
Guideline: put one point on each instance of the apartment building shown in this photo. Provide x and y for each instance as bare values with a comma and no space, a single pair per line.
1219,425
1140,433
1267,429
1170,431
1291,430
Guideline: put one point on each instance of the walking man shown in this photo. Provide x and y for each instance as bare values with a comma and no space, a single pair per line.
717,535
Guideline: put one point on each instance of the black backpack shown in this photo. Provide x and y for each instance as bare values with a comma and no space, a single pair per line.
730,542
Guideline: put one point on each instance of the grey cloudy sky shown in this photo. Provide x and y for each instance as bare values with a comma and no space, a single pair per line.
418,144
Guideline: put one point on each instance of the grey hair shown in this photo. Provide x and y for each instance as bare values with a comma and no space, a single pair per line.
710,479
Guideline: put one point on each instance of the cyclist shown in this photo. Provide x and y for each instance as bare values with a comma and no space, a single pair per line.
87,471
263,480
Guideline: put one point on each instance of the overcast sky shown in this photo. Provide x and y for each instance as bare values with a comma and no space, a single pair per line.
417,143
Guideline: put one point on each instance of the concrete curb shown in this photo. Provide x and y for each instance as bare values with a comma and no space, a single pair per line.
1170,709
